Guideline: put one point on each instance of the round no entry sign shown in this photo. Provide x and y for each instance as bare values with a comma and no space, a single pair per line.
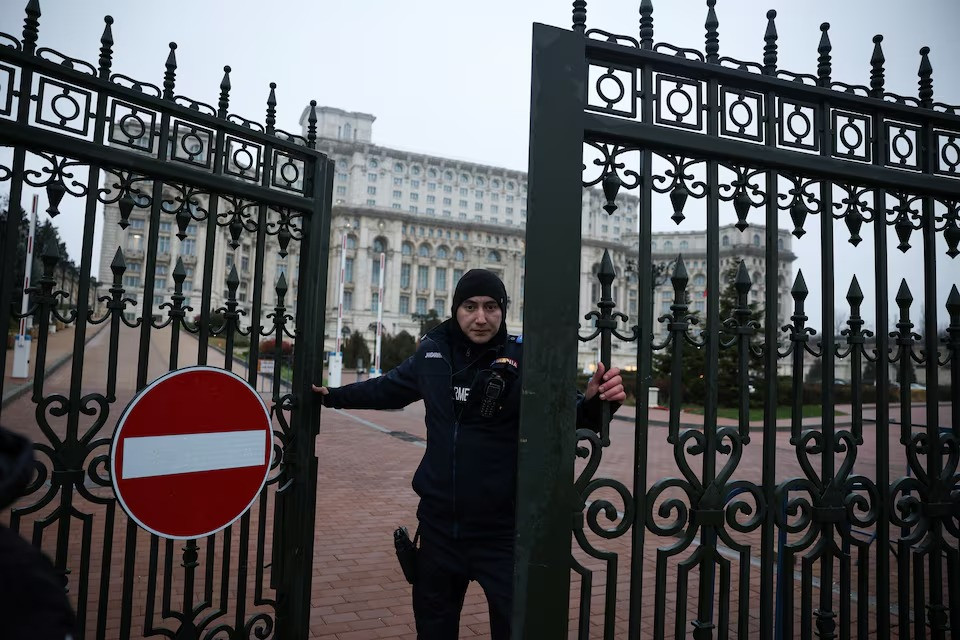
191,452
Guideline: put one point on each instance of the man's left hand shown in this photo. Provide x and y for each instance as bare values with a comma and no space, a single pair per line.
608,384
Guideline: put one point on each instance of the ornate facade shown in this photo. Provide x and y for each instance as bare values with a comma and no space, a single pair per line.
433,218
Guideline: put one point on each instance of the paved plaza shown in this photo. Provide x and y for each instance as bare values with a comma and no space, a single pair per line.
366,462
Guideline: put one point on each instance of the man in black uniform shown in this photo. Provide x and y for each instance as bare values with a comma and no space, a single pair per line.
467,371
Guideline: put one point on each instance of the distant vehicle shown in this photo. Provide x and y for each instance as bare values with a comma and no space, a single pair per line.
840,381
916,385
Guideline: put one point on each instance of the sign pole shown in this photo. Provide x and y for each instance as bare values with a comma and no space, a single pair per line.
376,356
335,371
21,348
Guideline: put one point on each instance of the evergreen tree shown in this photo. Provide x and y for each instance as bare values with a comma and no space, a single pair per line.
355,349
396,349
729,376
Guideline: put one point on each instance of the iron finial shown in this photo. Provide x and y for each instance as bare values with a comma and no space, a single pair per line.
31,26
904,297
854,294
233,281
679,277
579,15
646,24
713,35
926,79
50,254
953,306
224,103
170,75
281,287
312,125
824,61
179,272
118,266
799,290
876,68
272,108
742,282
611,186
770,46
106,49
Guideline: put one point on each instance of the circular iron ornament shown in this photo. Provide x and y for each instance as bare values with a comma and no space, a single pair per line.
71,103
739,102
287,169
243,159
679,113
952,147
189,138
804,119
897,139
621,90
133,126
845,129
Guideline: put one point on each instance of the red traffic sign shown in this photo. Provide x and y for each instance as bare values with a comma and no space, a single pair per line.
191,452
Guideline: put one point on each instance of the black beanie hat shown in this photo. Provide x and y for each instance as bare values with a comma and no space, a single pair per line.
479,282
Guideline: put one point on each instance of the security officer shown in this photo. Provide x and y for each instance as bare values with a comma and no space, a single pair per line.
467,371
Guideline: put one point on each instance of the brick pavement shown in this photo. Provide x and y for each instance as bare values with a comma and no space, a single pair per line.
366,461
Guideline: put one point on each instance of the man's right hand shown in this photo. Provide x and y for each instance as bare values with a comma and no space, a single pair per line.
321,390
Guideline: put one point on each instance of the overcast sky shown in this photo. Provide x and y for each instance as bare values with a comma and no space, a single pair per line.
452,78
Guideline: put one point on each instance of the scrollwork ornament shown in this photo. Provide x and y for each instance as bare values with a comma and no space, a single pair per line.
610,164
673,505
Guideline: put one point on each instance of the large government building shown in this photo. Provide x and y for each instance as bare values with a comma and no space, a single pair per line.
433,218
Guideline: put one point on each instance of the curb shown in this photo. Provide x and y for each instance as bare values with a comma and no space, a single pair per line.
22,388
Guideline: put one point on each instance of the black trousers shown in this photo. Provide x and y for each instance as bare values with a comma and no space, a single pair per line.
445,566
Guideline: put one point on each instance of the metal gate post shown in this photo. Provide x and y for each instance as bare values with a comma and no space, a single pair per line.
545,497
299,510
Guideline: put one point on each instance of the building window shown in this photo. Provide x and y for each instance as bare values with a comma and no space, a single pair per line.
371,202
446,213
756,239
447,188
463,204
414,197
493,256
375,271
341,176
413,208
405,276
404,305
423,277
509,198
509,211
397,181
463,191
373,164
684,245
372,191
494,209
163,244
478,206
414,184
726,241
430,211
424,250
440,304
431,186
398,167
190,247
442,252
464,178
430,199
440,281
348,270
667,246
397,193
348,300
458,255
372,177
447,202
415,170
396,205
699,280
341,191
457,274
422,306
375,302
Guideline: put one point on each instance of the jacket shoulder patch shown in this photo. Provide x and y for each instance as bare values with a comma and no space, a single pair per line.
433,354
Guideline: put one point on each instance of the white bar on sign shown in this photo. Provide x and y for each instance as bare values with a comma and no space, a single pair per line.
151,456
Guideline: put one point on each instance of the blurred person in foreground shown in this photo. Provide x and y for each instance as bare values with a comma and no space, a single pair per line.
33,602
468,373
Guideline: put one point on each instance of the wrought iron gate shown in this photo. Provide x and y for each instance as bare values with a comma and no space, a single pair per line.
839,527
187,189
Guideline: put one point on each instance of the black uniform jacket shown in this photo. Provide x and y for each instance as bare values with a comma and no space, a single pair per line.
468,476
